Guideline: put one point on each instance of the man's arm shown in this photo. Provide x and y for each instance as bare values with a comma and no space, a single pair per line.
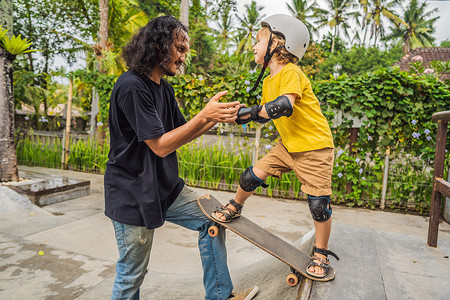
205,129
212,113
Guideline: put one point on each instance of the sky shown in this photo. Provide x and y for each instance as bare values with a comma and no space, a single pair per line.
442,25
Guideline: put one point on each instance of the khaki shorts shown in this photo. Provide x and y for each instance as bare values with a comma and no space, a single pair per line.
313,168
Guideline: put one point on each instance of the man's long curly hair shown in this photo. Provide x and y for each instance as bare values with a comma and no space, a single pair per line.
150,47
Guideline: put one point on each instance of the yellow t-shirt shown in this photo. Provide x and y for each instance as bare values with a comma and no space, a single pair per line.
306,129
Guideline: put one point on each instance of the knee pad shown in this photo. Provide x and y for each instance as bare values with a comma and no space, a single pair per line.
320,208
249,181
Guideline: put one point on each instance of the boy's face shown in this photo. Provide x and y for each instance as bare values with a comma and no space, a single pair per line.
178,50
260,48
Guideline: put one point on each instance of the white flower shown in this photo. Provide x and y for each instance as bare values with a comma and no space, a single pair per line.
231,135
361,171
248,89
340,175
258,97
369,138
270,127
252,71
357,160
363,178
268,147
99,124
247,82
27,118
201,78
428,71
417,58
266,135
339,153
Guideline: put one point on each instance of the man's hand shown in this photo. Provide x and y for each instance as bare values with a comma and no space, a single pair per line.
216,111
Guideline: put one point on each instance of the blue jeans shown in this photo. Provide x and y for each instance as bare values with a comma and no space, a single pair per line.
135,243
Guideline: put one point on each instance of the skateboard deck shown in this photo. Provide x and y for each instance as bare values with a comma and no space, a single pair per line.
265,240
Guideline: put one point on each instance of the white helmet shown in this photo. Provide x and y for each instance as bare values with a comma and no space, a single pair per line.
293,30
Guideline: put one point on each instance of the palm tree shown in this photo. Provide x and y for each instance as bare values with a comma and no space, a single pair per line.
337,17
416,27
8,165
374,13
10,47
249,24
304,11
225,28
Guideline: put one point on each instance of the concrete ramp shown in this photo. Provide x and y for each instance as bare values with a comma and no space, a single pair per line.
385,265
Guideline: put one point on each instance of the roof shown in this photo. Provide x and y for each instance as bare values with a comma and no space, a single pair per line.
428,55
51,111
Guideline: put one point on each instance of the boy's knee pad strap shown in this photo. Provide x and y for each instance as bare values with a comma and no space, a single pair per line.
320,208
249,181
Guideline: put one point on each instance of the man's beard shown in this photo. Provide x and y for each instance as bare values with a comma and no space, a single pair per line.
181,66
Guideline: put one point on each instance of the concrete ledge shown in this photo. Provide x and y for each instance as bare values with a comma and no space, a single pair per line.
44,189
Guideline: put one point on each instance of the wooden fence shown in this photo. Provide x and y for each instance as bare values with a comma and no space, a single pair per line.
440,186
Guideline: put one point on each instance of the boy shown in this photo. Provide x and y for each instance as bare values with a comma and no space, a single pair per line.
306,144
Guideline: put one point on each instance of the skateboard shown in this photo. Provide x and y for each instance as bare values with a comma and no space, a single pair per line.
287,253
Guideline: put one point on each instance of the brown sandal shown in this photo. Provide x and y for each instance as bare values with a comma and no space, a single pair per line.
228,213
324,262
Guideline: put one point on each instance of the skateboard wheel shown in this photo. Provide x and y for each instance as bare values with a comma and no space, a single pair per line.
292,279
213,231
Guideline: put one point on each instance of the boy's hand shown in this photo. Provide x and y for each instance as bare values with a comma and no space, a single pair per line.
247,114
216,111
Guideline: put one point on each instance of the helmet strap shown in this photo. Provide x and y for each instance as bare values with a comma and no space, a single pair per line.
267,59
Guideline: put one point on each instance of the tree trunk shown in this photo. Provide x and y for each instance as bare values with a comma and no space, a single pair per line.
6,16
102,40
103,30
184,13
8,158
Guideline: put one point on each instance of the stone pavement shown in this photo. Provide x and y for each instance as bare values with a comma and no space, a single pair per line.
67,251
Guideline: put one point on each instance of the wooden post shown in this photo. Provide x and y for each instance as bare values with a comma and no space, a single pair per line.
353,139
257,142
94,112
385,178
66,138
442,119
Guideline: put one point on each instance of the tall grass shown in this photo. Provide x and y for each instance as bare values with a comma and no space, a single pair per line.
87,156
219,167
39,154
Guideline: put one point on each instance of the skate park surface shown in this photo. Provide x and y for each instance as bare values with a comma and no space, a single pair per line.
67,250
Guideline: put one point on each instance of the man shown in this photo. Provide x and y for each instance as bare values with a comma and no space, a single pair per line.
142,185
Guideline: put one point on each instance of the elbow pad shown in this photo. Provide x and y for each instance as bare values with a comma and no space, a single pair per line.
280,107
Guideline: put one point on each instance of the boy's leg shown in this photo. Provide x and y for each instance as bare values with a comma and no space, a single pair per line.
242,195
323,230
216,278
134,243
274,163
314,170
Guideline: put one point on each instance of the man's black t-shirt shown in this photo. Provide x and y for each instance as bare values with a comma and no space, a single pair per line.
139,185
